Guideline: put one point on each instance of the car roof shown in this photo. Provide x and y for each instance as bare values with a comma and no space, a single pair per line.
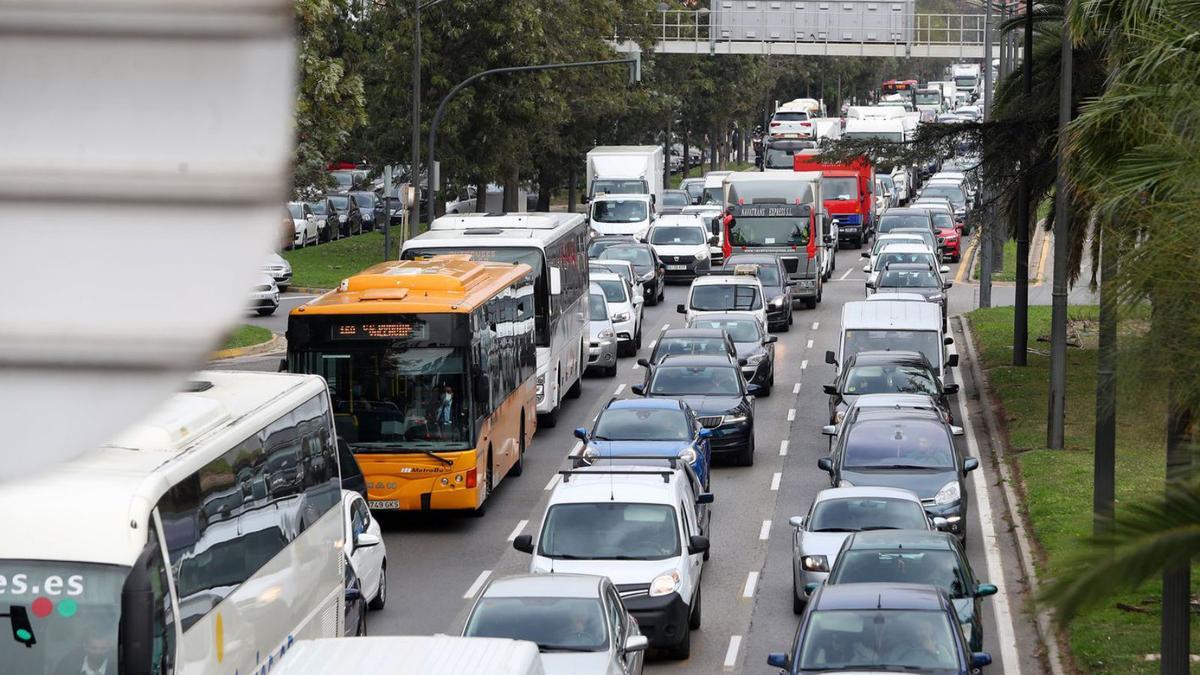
679,220
545,586
883,357
727,280
696,360
633,243
726,316
895,539
830,494
691,332
889,293
880,596
644,404
606,276
890,401
902,267
905,248
894,211
603,484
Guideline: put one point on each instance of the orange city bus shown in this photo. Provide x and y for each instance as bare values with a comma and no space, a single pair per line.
431,367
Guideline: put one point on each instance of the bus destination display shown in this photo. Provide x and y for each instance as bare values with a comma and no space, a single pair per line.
380,331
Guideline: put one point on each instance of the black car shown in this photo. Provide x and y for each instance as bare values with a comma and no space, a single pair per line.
895,218
776,289
755,349
602,242
887,372
345,214
322,209
917,278
650,270
714,387
356,604
908,448
370,206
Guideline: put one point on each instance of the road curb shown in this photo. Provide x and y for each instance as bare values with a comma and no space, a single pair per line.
277,343
1038,269
1046,632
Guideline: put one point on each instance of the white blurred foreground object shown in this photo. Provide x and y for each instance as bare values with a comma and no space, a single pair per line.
145,156
421,655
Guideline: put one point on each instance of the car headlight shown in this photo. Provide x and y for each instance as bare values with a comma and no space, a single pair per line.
839,416
701,256
341,217
647,276
845,483
664,584
733,419
590,453
755,359
688,455
936,297
949,494
815,563
623,316
777,301
606,333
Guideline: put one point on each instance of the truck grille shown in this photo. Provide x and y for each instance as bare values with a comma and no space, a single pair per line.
711,422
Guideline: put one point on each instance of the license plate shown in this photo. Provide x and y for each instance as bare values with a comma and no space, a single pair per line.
384,504
677,267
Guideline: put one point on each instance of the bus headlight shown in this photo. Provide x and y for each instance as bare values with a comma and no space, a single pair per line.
541,387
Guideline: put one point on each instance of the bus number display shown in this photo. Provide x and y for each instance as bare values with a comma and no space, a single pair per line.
380,331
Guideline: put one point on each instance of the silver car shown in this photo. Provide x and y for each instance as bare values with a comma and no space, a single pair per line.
279,269
578,622
835,513
264,296
602,348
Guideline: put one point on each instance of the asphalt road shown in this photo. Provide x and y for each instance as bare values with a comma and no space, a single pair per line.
437,560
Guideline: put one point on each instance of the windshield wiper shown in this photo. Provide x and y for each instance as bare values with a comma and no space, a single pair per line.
561,648
398,449
896,466
878,527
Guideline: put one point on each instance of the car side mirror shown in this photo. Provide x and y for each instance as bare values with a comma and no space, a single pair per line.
524,543
865,254
753,389
283,365
555,281
947,340
831,358
948,284
712,241
939,523
706,433
704,498
950,389
956,431
866,268
811,587
952,362
697,544
742,362
581,434
366,540
829,430
353,595
984,590
870,284
944,270
796,521
643,363
681,309
638,389
778,660
980,659
771,339
825,464
970,464
830,389
636,643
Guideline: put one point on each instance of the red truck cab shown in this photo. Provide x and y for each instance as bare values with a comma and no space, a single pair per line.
848,190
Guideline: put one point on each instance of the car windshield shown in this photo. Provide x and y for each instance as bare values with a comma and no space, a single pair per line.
739,330
891,221
599,246
69,607
840,188
767,273
597,310
554,624
610,531
296,210
881,242
780,158
887,257
318,207
619,211
676,236
875,639
712,195
624,271
790,116
909,279
694,190
938,568
696,381
675,198
881,444
344,179
927,342
725,297
867,513
780,231
954,193
365,199
624,424
614,289
689,345
340,202
889,379
943,220
929,98
639,256
619,187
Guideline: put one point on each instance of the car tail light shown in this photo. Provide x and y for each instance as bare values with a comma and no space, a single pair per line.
774,124
472,478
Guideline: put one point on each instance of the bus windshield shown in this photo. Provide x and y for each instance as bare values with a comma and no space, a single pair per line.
73,610
388,397
751,231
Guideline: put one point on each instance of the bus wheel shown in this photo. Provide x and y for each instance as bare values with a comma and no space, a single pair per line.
519,467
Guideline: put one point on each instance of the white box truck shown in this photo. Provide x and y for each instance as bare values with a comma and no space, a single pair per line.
625,169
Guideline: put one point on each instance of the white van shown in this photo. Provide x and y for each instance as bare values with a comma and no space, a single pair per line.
622,214
894,129
412,654
897,326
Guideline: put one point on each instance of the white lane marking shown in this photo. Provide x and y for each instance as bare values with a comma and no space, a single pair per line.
804,363
796,388
783,448
479,582
517,530
848,273
751,584
816,325
809,345
764,532
735,643
666,326
1006,634
635,367
775,481
553,482
791,414
620,388
575,450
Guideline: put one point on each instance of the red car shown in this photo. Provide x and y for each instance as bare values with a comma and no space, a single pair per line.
951,248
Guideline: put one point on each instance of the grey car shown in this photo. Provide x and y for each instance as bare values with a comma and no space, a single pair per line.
578,622
755,349
673,202
835,513
918,278
602,345
279,269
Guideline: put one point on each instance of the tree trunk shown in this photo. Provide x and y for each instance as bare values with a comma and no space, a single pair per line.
572,193
1104,464
545,189
481,186
687,138
1176,590
512,189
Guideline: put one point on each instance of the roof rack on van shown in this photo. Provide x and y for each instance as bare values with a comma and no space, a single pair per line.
567,473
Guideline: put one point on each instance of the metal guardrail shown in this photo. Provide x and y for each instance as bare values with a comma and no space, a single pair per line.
832,27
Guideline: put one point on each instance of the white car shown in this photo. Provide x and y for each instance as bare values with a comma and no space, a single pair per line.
889,239
264,296
280,270
644,527
903,253
308,230
682,243
626,317
365,548
719,293
624,269
578,622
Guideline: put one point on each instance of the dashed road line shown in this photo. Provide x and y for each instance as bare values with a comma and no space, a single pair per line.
775,481
751,584
764,532
796,388
809,345
735,643
816,325
791,414
553,482
804,364
517,530
620,388
478,584
783,448
847,274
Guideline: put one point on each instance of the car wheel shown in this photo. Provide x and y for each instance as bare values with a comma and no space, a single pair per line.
746,456
380,598
662,290
637,340
786,325
820,294
267,311
791,313
810,303
283,289
694,619
652,300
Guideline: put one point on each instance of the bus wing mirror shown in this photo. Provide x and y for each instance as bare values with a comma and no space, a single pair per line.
555,281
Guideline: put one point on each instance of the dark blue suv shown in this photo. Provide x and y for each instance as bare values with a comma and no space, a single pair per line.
649,426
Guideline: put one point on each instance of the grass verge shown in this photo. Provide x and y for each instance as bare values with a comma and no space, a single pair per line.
325,265
1008,272
245,336
1057,484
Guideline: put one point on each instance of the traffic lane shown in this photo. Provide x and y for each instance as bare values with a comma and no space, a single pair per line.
277,322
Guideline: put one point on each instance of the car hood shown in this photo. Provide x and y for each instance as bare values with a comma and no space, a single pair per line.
619,571
618,448
570,663
680,249
711,405
923,292
747,349
925,483
822,543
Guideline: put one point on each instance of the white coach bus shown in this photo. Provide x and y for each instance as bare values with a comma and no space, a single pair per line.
555,246
204,539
